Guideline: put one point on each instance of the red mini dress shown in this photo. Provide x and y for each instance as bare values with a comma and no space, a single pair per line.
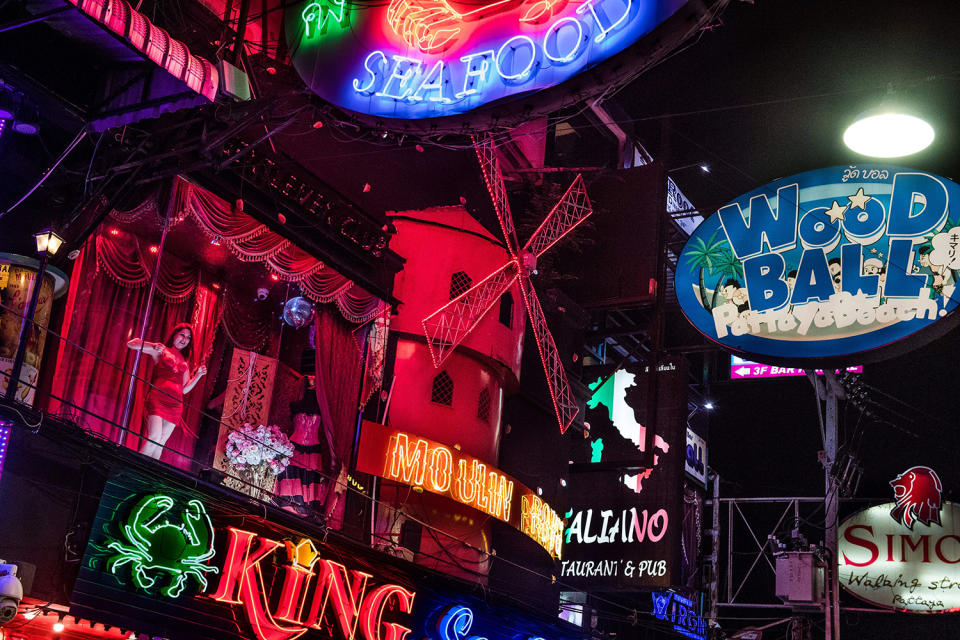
165,398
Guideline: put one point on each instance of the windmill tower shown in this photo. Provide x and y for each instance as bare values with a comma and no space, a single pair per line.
470,293
460,403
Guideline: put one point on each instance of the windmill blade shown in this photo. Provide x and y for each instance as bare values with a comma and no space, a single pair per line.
490,166
564,403
447,327
572,209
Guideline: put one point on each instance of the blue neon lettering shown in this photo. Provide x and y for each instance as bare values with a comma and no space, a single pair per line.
454,623
474,75
368,87
511,50
434,80
412,67
604,30
555,30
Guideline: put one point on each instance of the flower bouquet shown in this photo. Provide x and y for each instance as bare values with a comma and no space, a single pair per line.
256,455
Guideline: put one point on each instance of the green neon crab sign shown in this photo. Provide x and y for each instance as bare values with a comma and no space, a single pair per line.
163,547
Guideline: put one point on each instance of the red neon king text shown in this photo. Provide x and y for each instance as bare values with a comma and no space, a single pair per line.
341,604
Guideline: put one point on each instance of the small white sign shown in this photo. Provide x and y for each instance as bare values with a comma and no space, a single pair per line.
695,462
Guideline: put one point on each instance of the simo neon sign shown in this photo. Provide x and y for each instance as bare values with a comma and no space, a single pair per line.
904,555
315,594
827,264
433,58
443,470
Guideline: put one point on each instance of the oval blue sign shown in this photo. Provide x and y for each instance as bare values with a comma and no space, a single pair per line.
827,265
416,60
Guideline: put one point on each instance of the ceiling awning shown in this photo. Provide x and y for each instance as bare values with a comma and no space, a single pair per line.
145,72
155,43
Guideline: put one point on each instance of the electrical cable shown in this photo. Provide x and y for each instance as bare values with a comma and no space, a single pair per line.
93,156
80,136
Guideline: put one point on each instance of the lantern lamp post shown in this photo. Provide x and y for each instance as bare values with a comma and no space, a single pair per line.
48,243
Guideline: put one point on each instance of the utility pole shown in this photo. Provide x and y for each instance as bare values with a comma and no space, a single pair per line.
714,585
830,393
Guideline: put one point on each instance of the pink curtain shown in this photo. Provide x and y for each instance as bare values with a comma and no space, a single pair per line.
105,309
251,241
338,379
206,313
124,258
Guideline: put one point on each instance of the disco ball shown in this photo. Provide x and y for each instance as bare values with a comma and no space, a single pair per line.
298,312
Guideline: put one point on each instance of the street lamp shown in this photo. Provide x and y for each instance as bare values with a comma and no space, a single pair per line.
888,133
48,243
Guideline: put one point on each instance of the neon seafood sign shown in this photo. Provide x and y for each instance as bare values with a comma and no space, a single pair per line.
444,470
825,265
414,59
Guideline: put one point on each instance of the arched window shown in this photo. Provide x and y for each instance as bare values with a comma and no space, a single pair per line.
483,405
460,282
506,310
442,391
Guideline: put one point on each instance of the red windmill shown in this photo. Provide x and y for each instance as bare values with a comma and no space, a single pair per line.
450,324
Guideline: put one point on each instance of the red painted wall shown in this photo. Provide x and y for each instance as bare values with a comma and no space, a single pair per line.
437,243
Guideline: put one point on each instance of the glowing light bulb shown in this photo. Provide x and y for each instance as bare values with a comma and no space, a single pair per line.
57,627
888,135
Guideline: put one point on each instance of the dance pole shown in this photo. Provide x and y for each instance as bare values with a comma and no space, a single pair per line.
132,389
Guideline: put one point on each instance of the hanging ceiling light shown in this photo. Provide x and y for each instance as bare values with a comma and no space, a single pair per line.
888,133
27,121
8,107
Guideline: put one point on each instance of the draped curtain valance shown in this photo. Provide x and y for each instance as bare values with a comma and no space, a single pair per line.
121,256
249,241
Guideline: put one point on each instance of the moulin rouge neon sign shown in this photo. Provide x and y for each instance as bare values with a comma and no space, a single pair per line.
341,599
415,59
443,470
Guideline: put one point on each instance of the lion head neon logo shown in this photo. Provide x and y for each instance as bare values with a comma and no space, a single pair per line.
917,491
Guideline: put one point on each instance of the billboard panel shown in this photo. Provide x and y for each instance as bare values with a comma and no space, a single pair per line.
623,527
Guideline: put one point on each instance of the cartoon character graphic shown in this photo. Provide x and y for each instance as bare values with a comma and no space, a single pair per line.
432,26
917,491
736,294
835,269
872,266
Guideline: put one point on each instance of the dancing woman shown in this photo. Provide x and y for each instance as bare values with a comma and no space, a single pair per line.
171,380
